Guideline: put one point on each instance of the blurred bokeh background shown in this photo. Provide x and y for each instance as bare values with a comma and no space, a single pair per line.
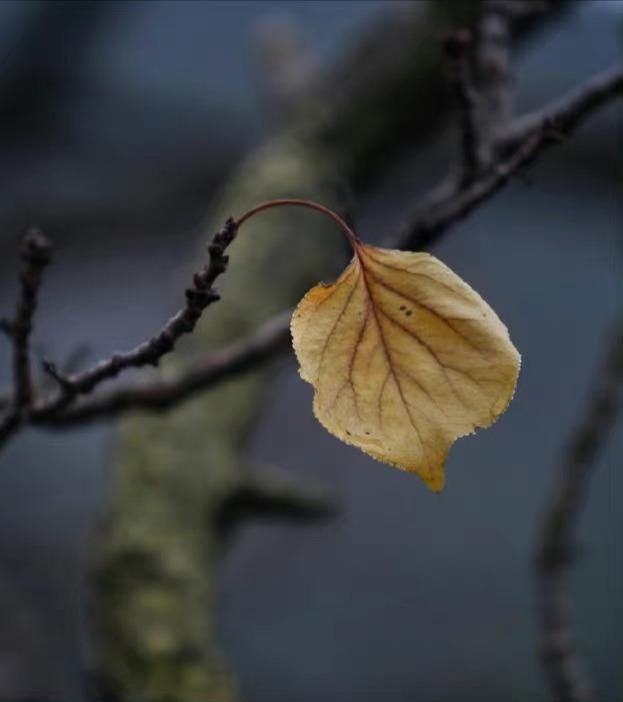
119,121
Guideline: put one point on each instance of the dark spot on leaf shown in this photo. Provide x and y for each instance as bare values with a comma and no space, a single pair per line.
409,313
402,307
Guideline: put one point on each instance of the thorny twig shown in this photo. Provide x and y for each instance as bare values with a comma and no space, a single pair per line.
556,547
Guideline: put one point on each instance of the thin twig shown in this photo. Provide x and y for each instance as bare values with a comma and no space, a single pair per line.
198,297
269,341
35,255
524,140
429,225
556,547
493,72
569,111
457,47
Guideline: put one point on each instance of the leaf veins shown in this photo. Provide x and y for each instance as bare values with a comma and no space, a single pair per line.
404,357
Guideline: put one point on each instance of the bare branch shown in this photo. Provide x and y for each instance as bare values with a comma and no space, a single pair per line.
493,61
198,297
457,47
35,255
568,112
524,140
556,548
270,495
449,205
73,361
270,340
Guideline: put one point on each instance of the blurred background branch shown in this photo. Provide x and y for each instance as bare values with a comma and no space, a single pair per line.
556,548
35,257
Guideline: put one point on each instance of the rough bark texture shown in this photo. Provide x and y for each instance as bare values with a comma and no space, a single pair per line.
179,474
180,482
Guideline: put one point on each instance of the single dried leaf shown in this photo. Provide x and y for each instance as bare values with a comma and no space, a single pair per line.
404,357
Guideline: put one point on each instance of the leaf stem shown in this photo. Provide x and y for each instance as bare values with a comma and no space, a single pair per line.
298,202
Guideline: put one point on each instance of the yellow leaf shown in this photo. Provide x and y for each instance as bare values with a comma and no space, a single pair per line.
404,358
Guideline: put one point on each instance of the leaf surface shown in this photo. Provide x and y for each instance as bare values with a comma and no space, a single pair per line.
404,357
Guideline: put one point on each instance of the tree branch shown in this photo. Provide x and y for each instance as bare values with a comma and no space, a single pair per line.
270,340
270,495
35,255
457,47
493,61
524,140
567,113
556,548
199,296
449,205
